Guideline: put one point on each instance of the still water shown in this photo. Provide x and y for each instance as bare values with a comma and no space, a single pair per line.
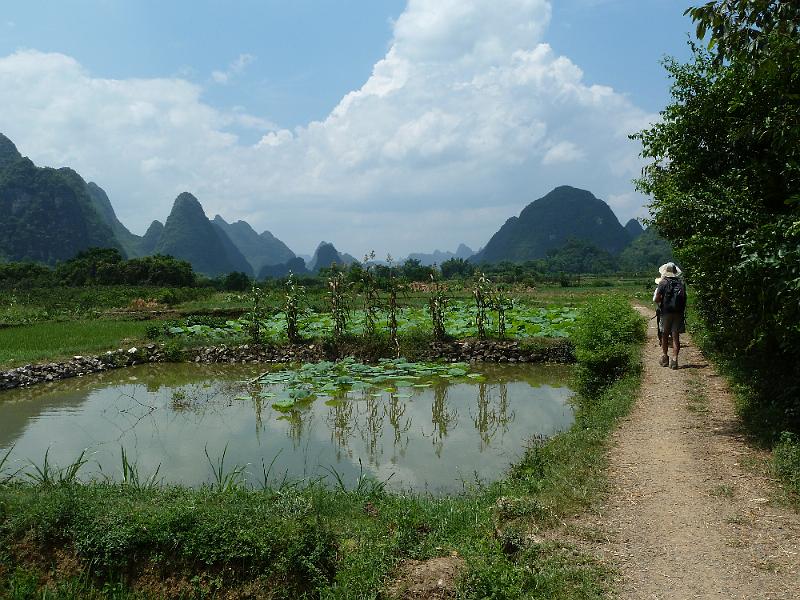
166,417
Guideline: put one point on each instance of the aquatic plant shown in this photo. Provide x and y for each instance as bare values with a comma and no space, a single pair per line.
334,379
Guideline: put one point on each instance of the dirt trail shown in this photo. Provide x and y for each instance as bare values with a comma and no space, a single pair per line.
688,514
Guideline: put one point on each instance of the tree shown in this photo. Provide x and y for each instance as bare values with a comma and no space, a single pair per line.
724,176
457,267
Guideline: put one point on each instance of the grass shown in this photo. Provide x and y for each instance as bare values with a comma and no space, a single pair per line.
53,341
316,540
697,401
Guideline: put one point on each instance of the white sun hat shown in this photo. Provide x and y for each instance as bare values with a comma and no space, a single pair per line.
669,269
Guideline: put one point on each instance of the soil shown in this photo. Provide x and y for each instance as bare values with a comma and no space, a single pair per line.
691,511
432,579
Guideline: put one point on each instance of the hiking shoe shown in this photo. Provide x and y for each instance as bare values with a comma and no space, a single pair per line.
673,364
664,362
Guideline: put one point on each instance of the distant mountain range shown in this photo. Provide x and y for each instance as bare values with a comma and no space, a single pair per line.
437,257
49,215
52,214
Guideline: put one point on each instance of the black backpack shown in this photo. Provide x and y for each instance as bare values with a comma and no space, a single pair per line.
674,296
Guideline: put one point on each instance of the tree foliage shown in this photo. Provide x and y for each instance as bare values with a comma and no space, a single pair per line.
724,175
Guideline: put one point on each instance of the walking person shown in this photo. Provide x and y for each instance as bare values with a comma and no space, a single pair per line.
670,295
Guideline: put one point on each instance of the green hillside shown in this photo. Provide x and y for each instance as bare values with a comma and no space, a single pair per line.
190,236
48,214
549,222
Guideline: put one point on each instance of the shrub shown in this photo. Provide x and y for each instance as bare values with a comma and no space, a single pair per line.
606,336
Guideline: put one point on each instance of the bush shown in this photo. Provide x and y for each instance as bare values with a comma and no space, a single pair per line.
606,336
787,461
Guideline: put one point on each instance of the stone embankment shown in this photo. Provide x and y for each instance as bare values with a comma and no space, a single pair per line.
555,351
79,365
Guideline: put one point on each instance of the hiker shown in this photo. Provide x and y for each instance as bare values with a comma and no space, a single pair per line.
670,295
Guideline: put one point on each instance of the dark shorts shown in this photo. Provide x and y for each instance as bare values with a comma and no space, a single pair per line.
672,323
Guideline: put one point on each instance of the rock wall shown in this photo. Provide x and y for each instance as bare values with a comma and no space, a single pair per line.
540,350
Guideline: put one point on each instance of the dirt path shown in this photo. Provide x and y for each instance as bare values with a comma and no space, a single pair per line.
689,514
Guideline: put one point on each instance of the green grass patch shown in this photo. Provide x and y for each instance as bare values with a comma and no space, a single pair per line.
52,341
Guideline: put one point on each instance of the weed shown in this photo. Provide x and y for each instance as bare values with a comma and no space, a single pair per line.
697,397
722,491
225,481
130,474
5,478
48,475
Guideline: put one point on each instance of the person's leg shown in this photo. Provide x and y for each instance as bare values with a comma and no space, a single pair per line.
666,327
676,341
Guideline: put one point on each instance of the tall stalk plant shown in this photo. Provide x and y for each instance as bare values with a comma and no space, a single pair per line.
501,302
480,293
337,297
294,299
391,320
256,314
437,307
369,295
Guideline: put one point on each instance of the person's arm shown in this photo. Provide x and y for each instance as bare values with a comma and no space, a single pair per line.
659,295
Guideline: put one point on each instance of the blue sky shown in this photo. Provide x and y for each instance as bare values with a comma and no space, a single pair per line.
90,83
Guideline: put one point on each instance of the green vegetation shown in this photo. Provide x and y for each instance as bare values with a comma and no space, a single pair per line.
53,341
726,194
332,381
458,321
48,214
320,540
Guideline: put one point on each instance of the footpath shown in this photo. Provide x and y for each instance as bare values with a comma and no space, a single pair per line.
691,512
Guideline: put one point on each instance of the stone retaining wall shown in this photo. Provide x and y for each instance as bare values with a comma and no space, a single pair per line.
558,351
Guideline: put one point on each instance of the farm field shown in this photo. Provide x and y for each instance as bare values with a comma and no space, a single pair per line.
52,324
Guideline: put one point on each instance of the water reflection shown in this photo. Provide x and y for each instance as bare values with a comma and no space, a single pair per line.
431,437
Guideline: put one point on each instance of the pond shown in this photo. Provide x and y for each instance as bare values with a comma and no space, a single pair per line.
435,434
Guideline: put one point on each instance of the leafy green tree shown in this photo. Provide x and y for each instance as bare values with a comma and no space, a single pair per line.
237,282
724,176
87,266
646,253
457,267
413,270
578,256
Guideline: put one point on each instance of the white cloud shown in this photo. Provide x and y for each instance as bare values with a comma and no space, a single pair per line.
562,152
469,116
235,68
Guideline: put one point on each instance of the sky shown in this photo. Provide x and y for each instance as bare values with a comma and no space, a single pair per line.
394,125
